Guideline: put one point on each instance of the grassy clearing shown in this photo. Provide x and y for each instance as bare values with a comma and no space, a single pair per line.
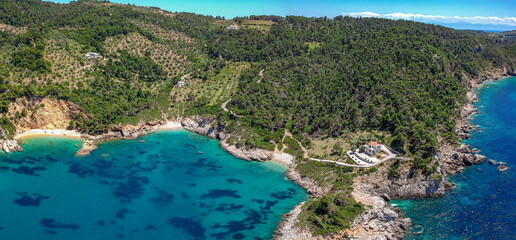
312,45
328,174
224,23
259,24
325,148
264,25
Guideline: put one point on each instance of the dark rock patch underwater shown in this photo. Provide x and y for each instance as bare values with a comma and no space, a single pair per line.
128,190
27,200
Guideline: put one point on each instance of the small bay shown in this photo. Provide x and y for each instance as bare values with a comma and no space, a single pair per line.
483,204
175,185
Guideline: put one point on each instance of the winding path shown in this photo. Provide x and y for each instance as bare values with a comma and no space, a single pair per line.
223,106
261,76
305,155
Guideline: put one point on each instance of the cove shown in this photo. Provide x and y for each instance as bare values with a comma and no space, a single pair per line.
483,204
175,185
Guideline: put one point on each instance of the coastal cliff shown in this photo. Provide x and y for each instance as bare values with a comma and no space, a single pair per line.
29,113
43,113
51,116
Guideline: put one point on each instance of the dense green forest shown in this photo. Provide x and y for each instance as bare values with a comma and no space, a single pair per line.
316,77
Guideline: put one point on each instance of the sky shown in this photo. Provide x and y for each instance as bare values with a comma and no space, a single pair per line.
460,14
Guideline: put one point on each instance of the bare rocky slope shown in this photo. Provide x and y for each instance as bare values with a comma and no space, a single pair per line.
43,113
51,114
38,113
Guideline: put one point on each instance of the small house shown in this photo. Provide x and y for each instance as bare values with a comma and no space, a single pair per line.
181,84
91,55
233,27
372,148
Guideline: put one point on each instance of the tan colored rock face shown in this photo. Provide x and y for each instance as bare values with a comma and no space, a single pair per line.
43,113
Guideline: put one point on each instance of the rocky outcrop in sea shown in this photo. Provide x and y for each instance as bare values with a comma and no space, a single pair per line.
8,145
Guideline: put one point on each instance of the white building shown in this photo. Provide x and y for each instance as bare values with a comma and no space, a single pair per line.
181,83
233,27
91,55
373,148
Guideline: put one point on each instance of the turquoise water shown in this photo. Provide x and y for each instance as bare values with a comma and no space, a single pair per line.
161,189
483,204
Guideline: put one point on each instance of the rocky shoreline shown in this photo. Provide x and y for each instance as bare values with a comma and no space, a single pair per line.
391,223
458,156
376,189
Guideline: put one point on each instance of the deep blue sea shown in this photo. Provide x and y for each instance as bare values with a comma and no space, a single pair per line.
483,206
163,188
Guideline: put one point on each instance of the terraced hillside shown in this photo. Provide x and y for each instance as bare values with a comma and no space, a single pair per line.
172,61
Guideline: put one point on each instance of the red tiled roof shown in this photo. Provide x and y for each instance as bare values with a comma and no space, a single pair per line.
373,143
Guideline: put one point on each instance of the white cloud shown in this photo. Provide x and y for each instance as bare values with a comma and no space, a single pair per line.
507,21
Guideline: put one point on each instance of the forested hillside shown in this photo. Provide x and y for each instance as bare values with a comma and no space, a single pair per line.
317,77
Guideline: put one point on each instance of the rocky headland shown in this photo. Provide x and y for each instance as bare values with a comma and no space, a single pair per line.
385,221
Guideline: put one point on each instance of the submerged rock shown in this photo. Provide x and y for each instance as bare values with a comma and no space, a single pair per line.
86,148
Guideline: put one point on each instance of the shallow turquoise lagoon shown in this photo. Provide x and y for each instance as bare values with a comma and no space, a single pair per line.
160,189
483,206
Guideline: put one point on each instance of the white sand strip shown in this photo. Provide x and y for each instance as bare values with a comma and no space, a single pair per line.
171,125
48,132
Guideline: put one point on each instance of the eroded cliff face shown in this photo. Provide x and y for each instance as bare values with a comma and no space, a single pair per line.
410,184
43,113
493,74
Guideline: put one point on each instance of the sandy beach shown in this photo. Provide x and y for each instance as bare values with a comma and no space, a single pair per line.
170,125
48,132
